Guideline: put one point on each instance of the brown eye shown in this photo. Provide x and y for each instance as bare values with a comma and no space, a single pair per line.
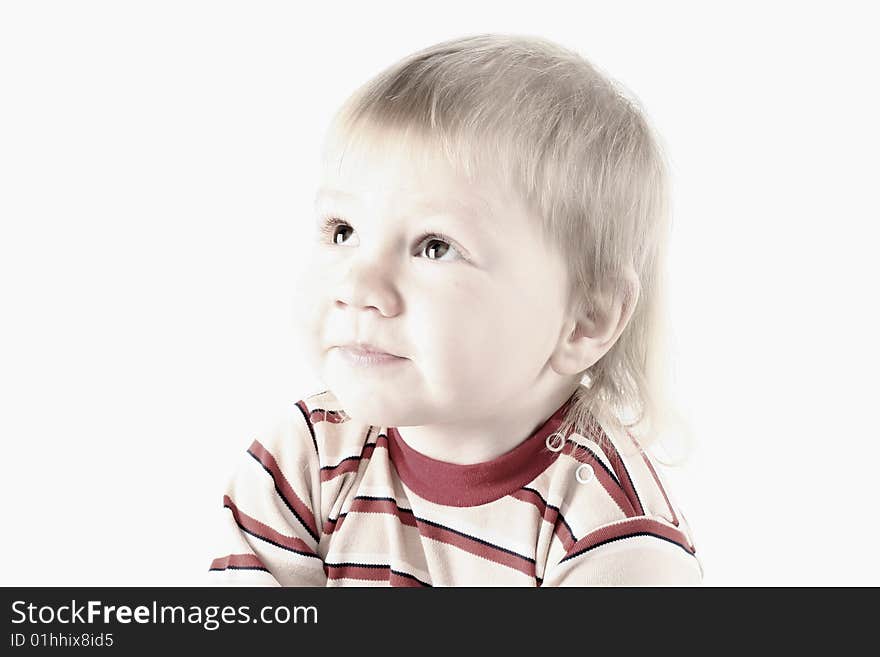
434,245
337,232
431,247
329,229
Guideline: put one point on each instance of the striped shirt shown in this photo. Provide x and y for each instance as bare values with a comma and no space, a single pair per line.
323,500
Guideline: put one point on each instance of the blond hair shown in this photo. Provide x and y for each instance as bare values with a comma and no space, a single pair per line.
546,125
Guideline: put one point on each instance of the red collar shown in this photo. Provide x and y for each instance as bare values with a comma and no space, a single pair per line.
453,484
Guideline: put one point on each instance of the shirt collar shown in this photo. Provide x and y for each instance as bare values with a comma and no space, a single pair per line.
454,484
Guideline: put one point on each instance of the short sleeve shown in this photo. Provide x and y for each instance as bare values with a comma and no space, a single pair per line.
268,525
637,551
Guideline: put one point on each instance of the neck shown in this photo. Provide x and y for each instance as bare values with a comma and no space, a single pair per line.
483,436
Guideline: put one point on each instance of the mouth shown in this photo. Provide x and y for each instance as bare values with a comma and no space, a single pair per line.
366,349
361,354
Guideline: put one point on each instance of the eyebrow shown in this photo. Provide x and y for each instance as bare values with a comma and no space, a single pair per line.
476,207
333,194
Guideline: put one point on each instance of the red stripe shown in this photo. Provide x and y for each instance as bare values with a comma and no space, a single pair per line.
445,535
301,405
238,560
488,552
656,478
373,574
614,490
548,514
322,415
405,582
263,531
293,500
405,516
346,466
532,498
350,465
625,529
332,526
620,470
564,535
357,572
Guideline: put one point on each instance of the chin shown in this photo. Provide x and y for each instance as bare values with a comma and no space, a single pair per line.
367,411
369,408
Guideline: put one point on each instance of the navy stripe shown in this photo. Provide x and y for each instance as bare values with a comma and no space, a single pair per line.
380,499
349,458
555,508
345,564
620,538
269,540
437,524
284,499
308,424
611,473
408,576
629,478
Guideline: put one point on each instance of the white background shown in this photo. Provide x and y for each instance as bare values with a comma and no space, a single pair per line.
157,169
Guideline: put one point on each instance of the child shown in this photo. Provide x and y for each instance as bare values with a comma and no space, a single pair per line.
492,226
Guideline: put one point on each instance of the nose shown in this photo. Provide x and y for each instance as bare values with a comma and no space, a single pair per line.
369,284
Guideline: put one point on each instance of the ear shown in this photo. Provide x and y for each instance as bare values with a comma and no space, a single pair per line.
585,339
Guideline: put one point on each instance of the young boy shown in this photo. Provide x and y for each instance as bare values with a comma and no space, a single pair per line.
492,222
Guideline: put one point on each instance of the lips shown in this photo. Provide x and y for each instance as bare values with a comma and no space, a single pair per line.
367,349
367,359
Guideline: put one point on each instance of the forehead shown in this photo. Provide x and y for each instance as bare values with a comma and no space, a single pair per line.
416,175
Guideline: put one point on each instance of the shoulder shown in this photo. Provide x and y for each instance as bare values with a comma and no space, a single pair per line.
315,427
305,444
335,436
640,477
617,503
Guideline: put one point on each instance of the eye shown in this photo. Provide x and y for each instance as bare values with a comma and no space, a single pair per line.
328,229
435,242
431,241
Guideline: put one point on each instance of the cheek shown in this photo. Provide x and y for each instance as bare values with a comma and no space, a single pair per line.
510,328
472,333
310,312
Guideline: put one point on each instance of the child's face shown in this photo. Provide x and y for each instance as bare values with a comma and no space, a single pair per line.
473,318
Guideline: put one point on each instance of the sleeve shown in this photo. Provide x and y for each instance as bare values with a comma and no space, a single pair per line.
267,530
636,551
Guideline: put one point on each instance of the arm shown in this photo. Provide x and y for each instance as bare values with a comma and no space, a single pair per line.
269,523
637,551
